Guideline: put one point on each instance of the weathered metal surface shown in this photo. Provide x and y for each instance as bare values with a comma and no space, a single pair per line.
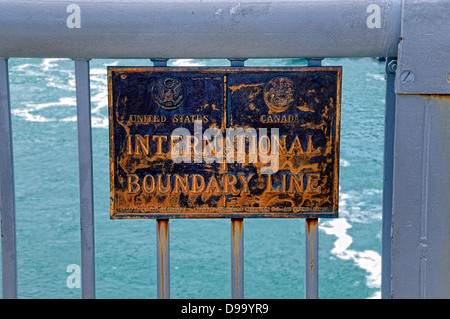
423,62
311,258
162,259
198,29
285,166
420,245
237,258
389,127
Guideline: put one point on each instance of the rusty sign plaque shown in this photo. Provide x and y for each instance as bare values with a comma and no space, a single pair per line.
224,142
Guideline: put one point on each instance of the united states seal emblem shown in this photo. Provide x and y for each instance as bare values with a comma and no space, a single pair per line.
169,93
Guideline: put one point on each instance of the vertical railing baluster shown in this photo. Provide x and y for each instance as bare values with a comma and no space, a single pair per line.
7,201
162,259
237,258
312,239
237,238
311,258
388,167
162,240
86,178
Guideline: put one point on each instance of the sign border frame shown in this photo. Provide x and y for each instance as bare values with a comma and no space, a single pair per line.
310,213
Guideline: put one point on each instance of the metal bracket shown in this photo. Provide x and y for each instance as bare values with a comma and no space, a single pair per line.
159,62
314,61
237,62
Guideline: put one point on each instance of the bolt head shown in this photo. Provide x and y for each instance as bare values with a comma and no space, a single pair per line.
392,66
407,76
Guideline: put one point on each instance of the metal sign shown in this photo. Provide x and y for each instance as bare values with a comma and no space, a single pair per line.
224,142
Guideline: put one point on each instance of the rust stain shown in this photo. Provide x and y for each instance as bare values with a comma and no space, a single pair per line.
433,95
311,229
236,227
163,233
311,225
238,87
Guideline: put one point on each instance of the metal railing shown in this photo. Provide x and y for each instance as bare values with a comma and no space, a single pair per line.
9,256
417,107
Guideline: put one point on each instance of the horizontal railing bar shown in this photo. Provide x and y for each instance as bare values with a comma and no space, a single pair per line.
199,29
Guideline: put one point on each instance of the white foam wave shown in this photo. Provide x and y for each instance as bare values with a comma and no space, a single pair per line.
350,210
69,119
377,76
29,112
47,64
63,101
100,101
350,204
28,116
96,121
344,163
376,295
368,260
98,78
68,86
22,67
97,71
99,122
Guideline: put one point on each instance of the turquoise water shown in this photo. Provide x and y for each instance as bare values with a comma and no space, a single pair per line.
47,210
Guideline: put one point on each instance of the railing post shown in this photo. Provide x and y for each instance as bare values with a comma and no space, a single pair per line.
312,240
162,259
162,240
237,258
420,257
7,202
86,178
389,126
311,258
237,239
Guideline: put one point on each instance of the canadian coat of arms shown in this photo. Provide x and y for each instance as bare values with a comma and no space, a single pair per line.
280,93
169,93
